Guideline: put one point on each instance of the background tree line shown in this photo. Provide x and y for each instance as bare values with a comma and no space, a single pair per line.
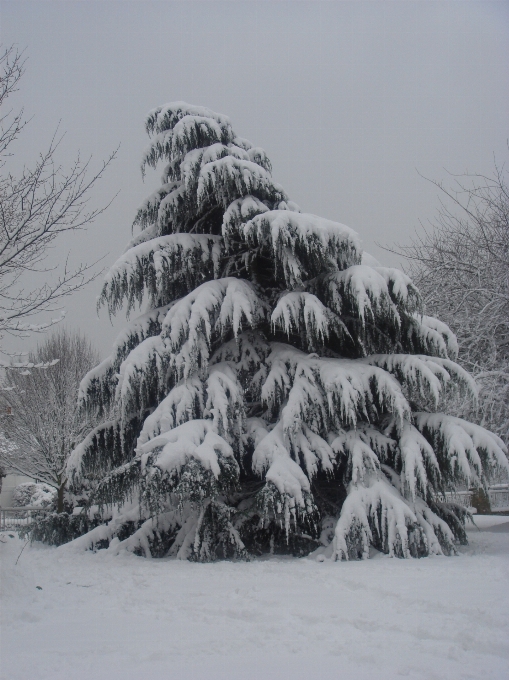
461,266
39,422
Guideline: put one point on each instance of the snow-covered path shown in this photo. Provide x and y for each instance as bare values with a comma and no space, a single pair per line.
84,616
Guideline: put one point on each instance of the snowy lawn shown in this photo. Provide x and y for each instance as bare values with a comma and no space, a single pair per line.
94,616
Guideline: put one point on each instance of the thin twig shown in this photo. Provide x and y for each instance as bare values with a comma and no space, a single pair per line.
22,551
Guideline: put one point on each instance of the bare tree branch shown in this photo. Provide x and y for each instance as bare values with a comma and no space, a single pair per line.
461,265
39,415
35,208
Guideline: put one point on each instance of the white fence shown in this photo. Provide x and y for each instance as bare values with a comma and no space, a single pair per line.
12,519
498,495
460,497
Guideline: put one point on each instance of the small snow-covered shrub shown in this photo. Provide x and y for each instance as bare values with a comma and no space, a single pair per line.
59,528
32,494
281,391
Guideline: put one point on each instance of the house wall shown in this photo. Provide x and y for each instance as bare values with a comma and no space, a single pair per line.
9,483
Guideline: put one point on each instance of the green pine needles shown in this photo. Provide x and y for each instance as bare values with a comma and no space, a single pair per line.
279,393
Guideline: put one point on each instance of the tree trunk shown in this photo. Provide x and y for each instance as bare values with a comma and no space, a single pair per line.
60,498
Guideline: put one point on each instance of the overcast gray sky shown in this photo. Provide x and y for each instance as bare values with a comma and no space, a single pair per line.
349,99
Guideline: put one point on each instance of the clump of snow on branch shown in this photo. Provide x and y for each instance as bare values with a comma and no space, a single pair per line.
163,268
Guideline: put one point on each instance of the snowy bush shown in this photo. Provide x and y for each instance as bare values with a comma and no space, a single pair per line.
36,495
279,392
58,528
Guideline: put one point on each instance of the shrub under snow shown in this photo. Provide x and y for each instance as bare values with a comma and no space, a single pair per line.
32,494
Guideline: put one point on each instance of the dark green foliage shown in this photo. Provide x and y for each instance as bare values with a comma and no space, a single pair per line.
159,541
481,502
271,538
59,528
216,537
455,515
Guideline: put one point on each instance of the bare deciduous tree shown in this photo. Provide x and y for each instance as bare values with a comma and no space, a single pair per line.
35,208
39,413
461,265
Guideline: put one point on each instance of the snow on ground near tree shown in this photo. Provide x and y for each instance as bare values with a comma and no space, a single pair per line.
104,617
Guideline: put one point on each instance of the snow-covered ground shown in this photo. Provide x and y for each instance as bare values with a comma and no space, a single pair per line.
94,616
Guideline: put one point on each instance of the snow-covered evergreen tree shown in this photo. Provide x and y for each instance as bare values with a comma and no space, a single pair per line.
279,391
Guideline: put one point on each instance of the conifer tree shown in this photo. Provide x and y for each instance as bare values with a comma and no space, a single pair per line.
279,393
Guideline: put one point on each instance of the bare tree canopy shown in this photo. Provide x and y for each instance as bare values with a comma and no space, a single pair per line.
461,266
35,208
39,413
